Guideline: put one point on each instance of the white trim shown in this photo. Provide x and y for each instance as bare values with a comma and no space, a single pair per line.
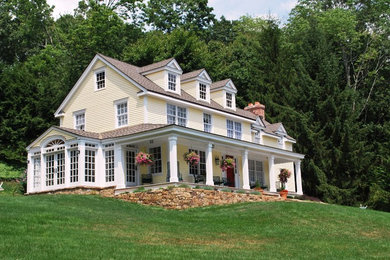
211,122
229,86
189,104
120,102
166,81
85,74
77,113
207,91
97,71
146,119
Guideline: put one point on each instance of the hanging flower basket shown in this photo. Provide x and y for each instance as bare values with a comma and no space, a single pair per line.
283,176
191,158
227,163
143,159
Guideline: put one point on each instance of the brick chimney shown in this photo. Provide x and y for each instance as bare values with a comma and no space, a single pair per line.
257,109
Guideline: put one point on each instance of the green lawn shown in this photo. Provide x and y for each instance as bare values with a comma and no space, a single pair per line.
81,227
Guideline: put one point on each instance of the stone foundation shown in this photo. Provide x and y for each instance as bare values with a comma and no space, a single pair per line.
183,198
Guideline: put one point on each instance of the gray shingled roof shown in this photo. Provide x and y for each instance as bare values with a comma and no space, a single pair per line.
156,65
219,84
190,75
124,131
133,72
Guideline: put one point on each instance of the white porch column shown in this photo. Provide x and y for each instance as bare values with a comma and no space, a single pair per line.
209,165
100,167
271,174
81,146
173,159
67,166
118,167
298,176
245,170
30,173
42,179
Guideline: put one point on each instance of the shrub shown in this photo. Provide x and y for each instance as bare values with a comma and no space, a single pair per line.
240,191
197,187
171,187
256,192
208,188
140,189
226,190
379,198
184,186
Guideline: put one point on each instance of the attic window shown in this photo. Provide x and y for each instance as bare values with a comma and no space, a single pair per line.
100,80
172,82
202,91
229,99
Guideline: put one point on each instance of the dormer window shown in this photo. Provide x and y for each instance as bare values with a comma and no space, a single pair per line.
229,100
172,82
100,80
79,119
202,91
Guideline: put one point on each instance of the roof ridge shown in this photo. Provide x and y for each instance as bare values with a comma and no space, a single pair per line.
155,65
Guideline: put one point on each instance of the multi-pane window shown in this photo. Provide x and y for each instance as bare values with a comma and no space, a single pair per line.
172,82
200,168
237,130
89,166
230,128
109,156
229,99
121,114
60,168
74,166
202,91
257,137
207,122
37,171
234,129
80,121
100,80
157,163
256,172
176,115
50,170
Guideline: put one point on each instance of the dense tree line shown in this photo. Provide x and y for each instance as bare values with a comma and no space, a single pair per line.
324,74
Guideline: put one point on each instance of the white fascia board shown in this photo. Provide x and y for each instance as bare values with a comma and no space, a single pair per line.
85,73
48,131
189,104
207,137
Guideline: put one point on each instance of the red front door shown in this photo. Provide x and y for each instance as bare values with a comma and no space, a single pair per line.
230,175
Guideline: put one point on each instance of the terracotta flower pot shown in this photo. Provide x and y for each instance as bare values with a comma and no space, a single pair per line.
258,189
283,194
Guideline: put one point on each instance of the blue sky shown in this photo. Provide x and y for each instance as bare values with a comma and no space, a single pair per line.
231,9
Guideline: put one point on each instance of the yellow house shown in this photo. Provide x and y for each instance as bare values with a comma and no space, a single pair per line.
116,110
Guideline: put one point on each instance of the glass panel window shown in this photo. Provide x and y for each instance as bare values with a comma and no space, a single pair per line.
157,164
229,127
60,168
229,99
237,130
181,116
207,122
109,157
176,115
172,82
37,171
256,172
100,80
80,121
89,166
74,166
50,170
251,166
171,114
121,113
202,91
200,168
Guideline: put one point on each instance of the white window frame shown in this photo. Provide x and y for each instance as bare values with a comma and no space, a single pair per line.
233,130
152,167
96,79
229,100
116,104
210,123
171,82
75,115
255,172
90,166
177,114
225,100
200,85
109,165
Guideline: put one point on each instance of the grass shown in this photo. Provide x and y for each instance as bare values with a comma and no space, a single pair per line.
91,227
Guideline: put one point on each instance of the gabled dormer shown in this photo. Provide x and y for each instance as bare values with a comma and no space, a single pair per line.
224,92
165,74
197,84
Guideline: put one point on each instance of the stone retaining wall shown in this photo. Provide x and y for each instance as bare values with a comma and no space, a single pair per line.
183,198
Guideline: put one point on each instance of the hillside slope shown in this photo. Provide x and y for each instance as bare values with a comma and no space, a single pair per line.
80,227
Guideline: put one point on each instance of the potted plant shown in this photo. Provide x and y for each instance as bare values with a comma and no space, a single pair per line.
258,187
191,158
143,159
283,176
227,163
